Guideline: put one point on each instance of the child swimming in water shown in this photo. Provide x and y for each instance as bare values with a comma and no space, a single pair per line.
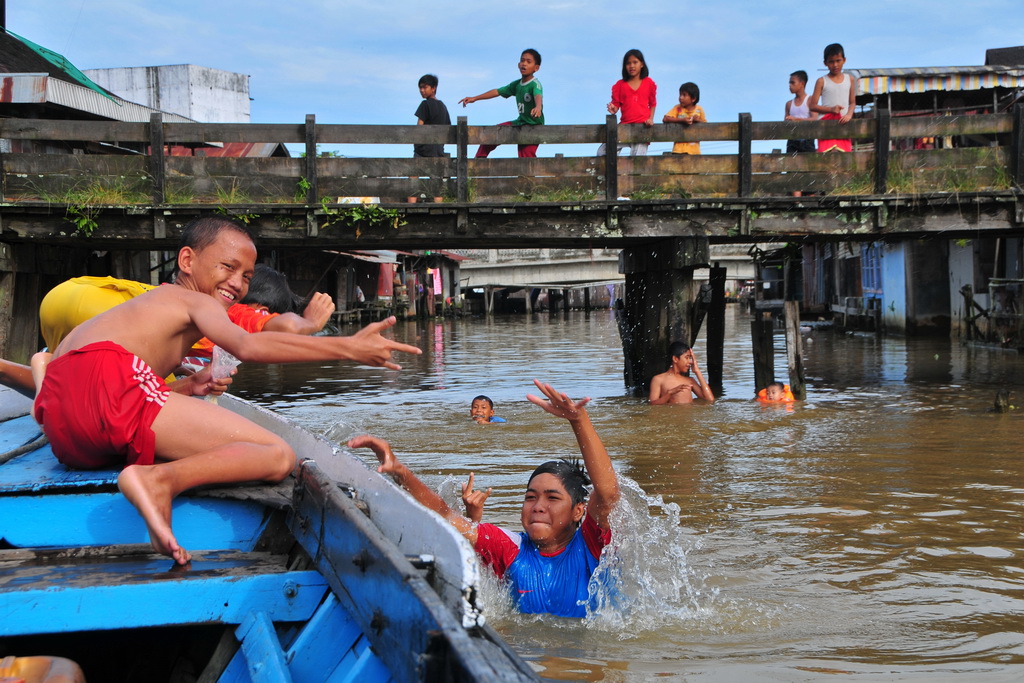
482,411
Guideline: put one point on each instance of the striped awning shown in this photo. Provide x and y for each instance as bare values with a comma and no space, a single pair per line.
941,78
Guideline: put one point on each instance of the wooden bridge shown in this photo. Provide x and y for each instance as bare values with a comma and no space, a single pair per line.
88,186
135,195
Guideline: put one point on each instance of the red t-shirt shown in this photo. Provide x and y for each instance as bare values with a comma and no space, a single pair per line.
243,315
635,106
498,548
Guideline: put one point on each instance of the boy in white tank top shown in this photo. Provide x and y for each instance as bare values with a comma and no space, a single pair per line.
837,93
797,109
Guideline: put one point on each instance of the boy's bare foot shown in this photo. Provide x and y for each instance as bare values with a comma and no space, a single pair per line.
143,488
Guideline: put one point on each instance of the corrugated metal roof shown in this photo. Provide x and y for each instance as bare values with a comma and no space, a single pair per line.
940,78
36,88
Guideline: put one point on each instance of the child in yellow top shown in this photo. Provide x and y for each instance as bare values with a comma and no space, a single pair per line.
686,112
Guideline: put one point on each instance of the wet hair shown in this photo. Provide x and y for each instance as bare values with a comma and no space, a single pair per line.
202,232
481,397
690,89
644,73
677,349
779,385
269,288
572,475
800,75
533,53
833,50
429,79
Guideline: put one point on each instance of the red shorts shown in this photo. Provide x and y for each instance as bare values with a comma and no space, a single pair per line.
829,145
97,406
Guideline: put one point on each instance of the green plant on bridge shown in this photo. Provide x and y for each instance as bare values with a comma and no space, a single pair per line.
301,190
233,194
83,217
358,215
574,194
84,200
242,216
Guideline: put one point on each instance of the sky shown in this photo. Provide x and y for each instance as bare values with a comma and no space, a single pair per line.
359,63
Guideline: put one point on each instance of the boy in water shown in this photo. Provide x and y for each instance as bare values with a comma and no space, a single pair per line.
102,401
675,384
529,99
549,565
482,410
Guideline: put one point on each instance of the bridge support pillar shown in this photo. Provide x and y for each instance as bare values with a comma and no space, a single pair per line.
658,299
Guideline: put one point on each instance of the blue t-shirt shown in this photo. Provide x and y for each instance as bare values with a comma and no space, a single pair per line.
495,418
552,584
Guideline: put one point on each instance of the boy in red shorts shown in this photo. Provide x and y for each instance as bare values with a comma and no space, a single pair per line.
102,400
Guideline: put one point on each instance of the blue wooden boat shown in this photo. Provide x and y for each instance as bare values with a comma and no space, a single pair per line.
335,575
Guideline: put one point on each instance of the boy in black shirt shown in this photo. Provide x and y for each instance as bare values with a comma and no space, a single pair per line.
431,112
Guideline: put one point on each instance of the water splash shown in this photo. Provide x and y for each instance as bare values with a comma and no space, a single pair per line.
643,582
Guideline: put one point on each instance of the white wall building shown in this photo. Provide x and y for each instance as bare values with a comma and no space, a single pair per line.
196,92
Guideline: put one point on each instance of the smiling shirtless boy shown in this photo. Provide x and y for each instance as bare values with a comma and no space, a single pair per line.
103,402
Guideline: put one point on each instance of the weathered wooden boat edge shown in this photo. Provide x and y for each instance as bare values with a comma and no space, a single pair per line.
368,563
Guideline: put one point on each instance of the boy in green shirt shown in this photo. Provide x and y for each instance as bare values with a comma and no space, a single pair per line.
529,99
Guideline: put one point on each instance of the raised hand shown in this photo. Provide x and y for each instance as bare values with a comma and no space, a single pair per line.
389,464
557,403
474,500
319,309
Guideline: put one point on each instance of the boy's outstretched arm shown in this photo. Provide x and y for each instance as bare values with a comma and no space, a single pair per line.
595,457
18,377
490,94
403,476
366,346
539,109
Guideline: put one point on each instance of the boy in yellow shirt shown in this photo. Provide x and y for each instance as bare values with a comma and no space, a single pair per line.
686,112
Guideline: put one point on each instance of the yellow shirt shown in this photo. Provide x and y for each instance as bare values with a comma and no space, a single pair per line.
678,112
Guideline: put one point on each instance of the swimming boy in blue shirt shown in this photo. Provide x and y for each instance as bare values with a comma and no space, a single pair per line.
482,411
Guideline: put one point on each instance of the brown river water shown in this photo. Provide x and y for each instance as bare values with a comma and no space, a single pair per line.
870,533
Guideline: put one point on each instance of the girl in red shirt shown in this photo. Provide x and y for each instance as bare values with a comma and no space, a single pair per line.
635,96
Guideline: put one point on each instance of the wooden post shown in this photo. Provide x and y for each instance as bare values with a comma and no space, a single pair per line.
529,301
882,136
746,134
313,191
715,352
794,350
586,299
157,170
462,161
761,342
657,301
565,302
1017,145
7,279
611,158
489,300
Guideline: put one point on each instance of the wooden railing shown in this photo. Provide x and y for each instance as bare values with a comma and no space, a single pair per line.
152,177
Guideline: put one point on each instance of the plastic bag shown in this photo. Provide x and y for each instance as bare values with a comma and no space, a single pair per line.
221,366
